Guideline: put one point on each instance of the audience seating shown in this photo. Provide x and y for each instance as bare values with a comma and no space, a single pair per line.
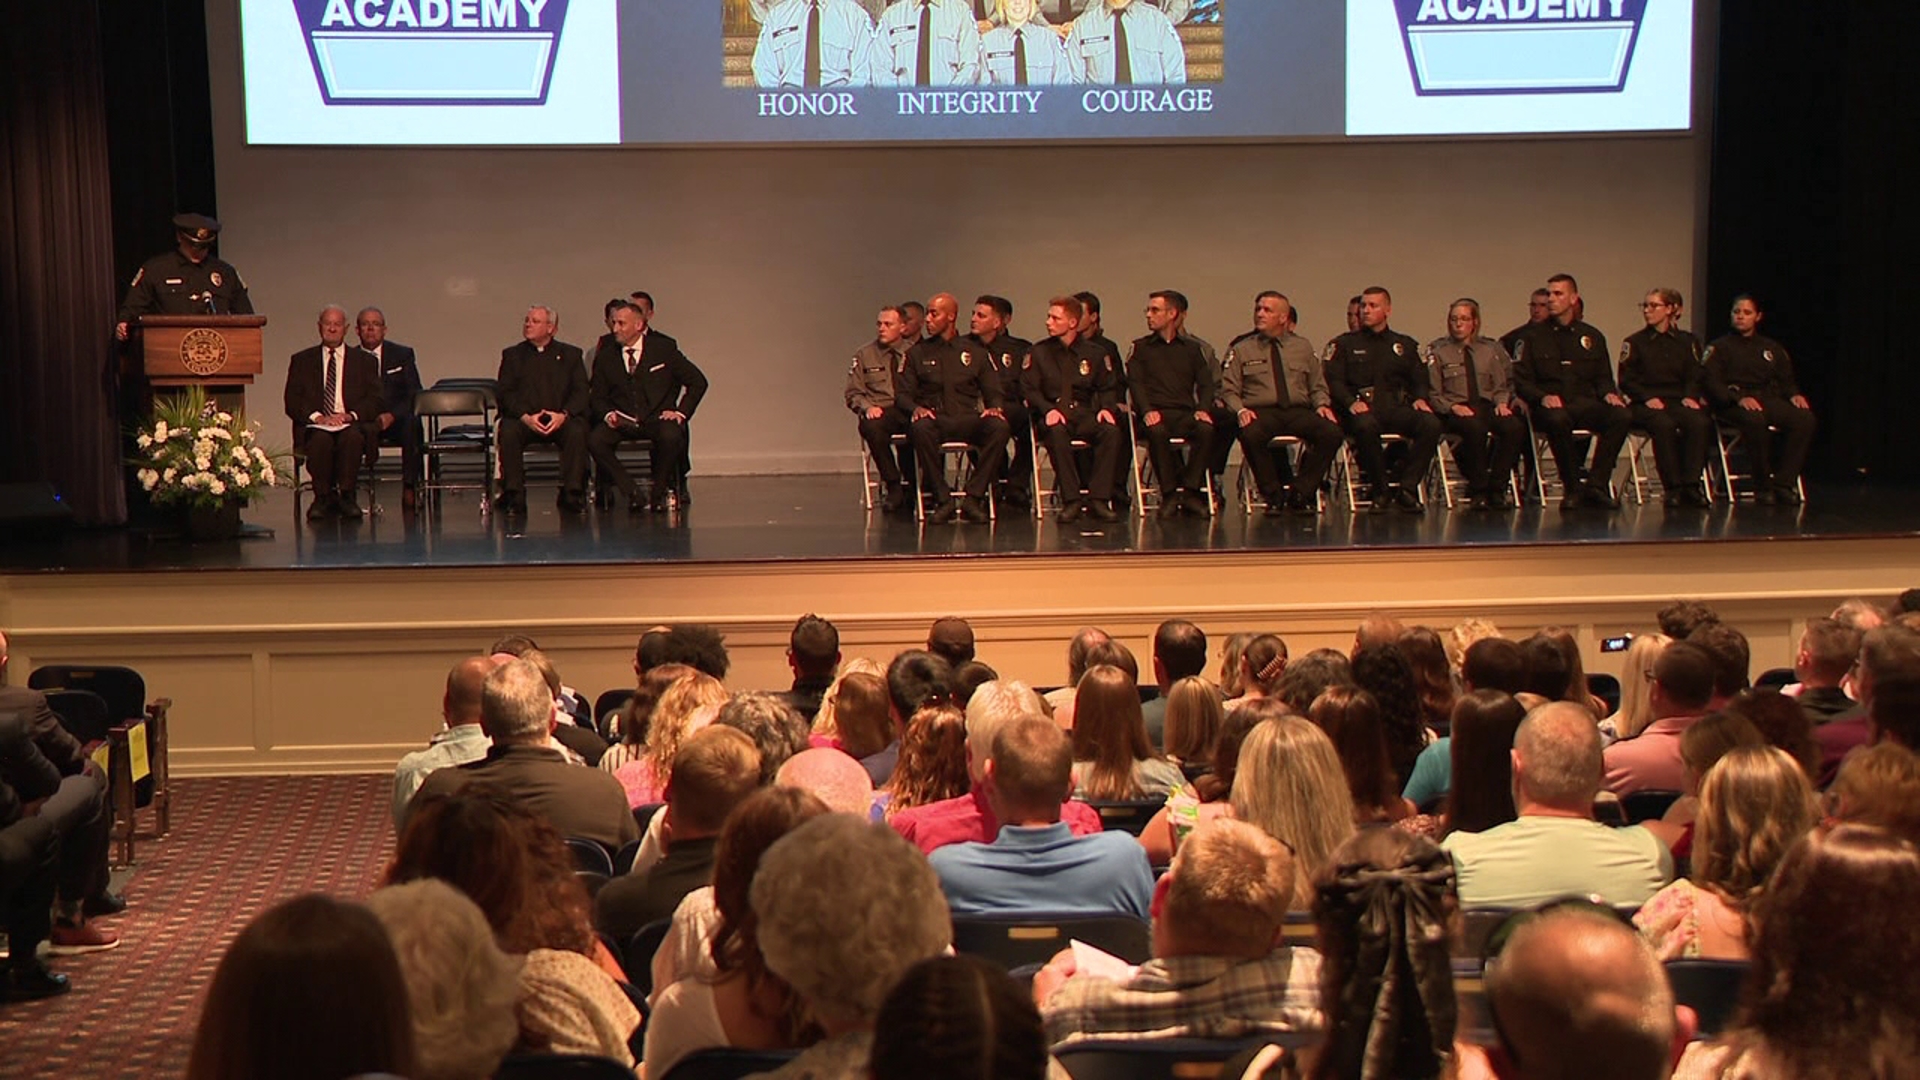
623,859
561,1067
1299,928
590,856
643,814
1015,940
594,880
136,738
1710,987
605,707
636,956
1776,678
1608,811
1127,815
727,1064
1166,1059
1646,805
1606,688
83,713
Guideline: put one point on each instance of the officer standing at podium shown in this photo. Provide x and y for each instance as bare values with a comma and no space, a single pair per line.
187,280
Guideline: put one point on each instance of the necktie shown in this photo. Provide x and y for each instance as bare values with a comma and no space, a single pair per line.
332,389
1473,380
1020,57
631,362
923,66
980,10
1279,374
1065,12
1122,59
813,45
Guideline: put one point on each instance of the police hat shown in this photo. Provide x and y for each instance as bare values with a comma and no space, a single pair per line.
196,228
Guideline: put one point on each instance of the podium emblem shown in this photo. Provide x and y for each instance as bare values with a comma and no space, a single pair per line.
203,351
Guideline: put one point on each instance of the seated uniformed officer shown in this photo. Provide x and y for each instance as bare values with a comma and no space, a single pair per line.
399,381
1094,335
1536,313
1171,378
187,280
871,397
927,43
1563,371
1377,378
1073,386
1125,42
988,326
1662,375
950,390
814,43
543,398
1750,379
1020,49
642,387
1472,381
1275,386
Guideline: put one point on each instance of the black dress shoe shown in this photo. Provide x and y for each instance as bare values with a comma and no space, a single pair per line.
322,508
29,980
1018,499
106,903
1786,496
1196,503
637,505
1763,496
511,502
1697,496
1479,502
1102,510
1574,499
348,507
1169,508
1304,504
1069,513
686,496
1407,502
1379,501
974,509
1598,495
945,513
1499,500
1672,499
603,499
892,500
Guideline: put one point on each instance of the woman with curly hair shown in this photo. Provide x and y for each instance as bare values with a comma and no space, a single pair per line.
684,707
635,718
1383,671
933,760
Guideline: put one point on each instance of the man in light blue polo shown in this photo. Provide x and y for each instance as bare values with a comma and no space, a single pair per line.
814,43
1036,865
1127,43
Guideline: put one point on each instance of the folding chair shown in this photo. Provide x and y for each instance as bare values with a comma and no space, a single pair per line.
1143,468
1344,469
1730,443
136,743
1252,499
1016,940
1646,482
459,422
1544,462
1646,805
1449,479
869,482
956,456
590,856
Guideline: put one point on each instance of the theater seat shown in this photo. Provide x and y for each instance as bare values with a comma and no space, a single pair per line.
1711,988
561,1067
727,1064
1127,815
1017,940
1169,1059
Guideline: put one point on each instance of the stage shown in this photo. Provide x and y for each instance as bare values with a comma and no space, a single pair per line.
324,647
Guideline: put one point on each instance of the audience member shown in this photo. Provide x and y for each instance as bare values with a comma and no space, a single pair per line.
1755,803
1549,678
1636,688
1861,614
1230,667
951,639
933,761
1462,636
958,1018
40,811
1220,967
1828,649
309,990
1894,715
1908,602
1351,718
1289,783
1377,629
714,771
1887,653
1494,663
1701,746
634,719
855,715
1578,690
835,778
1880,786
1681,618
644,779
969,677
1108,653
1179,652
1832,991
1732,660
1192,714
813,652
778,731
1309,676
1036,864
1782,722
1683,682
1111,752
1263,662
1480,788
842,950
1382,906
1575,995
1205,797
461,989
1383,671
1555,847
1432,676
460,741
697,645
572,702
1079,651
969,817
914,679
517,711
1433,770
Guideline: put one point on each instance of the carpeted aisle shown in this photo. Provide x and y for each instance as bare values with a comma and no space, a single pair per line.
238,846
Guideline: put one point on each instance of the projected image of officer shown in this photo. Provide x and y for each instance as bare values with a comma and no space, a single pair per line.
814,43
1125,43
927,43
1022,50
759,9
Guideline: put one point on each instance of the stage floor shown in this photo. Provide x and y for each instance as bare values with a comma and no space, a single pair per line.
819,517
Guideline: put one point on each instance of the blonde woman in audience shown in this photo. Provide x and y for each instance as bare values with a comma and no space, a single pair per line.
1878,785
1462,635
1636,689
1113,758
859,716
933,761
1755,803
635,718
1194,715
825,722
1833,993
674,718
461,987
1262,663
1230,672
1290,784
1205,797
1705,742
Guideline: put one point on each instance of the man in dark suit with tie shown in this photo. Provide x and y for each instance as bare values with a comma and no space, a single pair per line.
332,391
543,398
643,387
399,381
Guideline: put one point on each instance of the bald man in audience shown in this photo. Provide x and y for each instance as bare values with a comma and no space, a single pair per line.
1555,848
1220,966
459,741
1577,995
832,777
1036,865
713,772
1682,685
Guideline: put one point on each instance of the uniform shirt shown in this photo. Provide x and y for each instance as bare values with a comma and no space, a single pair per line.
1006,352
953,57
1248,374
172,284
1071,378
1065,11
870,379
952,378
1569,360
1155,54
846,44
1386,361
1176,376
1510,340
1048,62
1447,372
762,8
534,379
1756,366
1657,365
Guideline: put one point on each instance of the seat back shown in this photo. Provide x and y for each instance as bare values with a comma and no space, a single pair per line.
643,814
1014,941
1646,805
82,712
1775,678
590,856
623,859
122,688
1127,815
605,706
727,1064
560,1067
453,401
637,955
1710,987
1606,688
1170,1059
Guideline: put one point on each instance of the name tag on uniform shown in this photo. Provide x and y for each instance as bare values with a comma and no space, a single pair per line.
1095,40
175,281
1006,54
784,31
900,30
395,370
656,367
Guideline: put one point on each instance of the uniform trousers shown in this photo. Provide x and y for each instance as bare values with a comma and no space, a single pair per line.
1319,435
1609,424
986,434
1103,438
1179,424
1796,436
1679,437
1486,473
878,433
1422,431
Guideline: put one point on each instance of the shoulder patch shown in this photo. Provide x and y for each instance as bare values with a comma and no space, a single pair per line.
1399,349
138,276
1327,352
1586,342
1626,350
215,278
1767,354
1026,362
1109,361
1708,355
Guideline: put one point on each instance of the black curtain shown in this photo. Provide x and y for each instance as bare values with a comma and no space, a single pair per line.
58,417
1811,211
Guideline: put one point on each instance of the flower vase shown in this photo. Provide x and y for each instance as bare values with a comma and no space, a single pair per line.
220,521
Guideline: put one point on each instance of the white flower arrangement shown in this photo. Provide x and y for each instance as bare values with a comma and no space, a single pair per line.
195,453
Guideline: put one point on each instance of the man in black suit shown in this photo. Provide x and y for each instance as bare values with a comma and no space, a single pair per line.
543,398
333,389
399,381
642,387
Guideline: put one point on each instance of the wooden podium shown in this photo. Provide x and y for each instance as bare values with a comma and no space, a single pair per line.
200,350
